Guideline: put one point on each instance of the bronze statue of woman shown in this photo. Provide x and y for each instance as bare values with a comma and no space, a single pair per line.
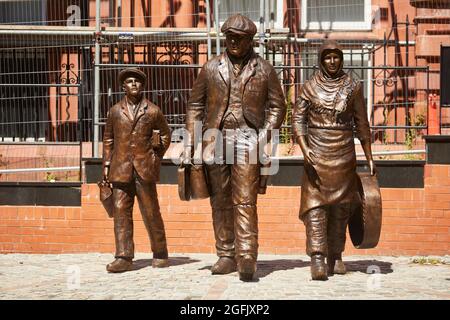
328,112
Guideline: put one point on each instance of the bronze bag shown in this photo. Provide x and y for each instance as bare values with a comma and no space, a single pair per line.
183,183
365,222
106,197
263,178
192,183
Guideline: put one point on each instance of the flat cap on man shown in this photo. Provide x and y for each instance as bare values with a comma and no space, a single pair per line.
239,24
132,72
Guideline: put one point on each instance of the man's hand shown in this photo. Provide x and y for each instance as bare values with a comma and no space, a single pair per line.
185,157
106,173
372,167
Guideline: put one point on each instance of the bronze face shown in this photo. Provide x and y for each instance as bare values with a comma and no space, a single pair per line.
238,45
133,88
332,62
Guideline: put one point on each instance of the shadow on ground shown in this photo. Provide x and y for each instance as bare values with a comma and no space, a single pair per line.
369,266
266,267
176,261
365,266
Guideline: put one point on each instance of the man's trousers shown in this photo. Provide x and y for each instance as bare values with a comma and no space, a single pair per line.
234,190
123,195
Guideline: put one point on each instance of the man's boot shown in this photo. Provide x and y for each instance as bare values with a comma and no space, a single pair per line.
318,267
160,263
120,265
224,265
160,260
246,267
335,265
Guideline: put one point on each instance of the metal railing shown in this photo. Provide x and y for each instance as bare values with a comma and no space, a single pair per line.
59,78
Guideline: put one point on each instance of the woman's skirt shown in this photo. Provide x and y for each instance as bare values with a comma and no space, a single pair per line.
332,180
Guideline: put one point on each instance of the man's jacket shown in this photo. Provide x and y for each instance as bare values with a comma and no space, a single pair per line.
127,142
263,100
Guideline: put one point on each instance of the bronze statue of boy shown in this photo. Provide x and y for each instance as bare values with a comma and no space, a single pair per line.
135,139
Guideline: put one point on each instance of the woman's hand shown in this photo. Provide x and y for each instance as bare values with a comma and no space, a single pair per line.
367,147
309,155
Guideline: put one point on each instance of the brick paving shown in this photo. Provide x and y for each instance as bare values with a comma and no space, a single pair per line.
279,277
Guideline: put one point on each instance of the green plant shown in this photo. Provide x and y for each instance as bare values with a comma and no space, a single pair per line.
385,136
2,162
49,176
428,260
285,132
411,134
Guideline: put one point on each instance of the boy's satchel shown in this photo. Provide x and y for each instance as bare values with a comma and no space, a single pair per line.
365,222
106,197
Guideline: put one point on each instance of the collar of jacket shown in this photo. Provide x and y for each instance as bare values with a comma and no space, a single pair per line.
142,107
247,73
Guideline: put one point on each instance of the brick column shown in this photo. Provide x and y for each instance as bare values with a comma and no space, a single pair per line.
437,192
437,207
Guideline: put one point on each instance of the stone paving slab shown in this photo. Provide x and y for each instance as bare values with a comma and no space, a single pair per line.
279,277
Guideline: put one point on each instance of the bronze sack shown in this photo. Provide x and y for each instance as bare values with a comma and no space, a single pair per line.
365,222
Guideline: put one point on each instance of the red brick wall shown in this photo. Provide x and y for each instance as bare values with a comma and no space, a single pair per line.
416,221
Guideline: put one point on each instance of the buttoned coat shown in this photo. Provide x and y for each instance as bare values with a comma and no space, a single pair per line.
127,142
263,100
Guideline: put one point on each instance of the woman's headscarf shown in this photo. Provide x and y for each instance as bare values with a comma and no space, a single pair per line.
328,47
322,89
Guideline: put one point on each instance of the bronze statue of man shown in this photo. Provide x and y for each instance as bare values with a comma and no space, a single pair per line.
135,139
237,93
329,109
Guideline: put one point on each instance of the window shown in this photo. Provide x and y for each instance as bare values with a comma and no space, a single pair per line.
23,12
336,15
251,9
357,58
24,111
